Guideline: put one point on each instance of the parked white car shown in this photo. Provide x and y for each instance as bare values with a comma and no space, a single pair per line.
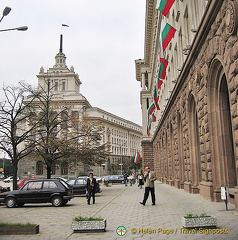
9,179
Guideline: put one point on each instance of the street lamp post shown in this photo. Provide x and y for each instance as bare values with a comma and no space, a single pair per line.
23,28
6,11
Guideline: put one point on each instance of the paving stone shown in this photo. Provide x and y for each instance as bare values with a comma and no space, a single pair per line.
121,207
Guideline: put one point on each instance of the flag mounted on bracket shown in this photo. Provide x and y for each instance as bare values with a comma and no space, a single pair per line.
165,5
162,68
167,34
156,97
151,108
137,158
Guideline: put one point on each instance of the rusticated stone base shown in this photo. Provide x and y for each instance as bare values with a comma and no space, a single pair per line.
206,190
187,187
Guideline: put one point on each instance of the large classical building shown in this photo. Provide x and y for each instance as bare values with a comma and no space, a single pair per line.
189,95
123,136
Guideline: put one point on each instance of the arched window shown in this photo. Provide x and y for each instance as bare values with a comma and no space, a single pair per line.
64,168
39,168
194,142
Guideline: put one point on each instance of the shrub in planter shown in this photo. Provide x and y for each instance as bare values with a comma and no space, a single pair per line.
18,228
85,224
197,221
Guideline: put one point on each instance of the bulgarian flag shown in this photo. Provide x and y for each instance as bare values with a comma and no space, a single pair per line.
137,158
162,68
165,5
156,97
159,83
148,131
151,108
153,118
148,127
167,34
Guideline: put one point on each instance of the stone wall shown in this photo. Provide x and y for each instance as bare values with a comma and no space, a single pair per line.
147,155
191,144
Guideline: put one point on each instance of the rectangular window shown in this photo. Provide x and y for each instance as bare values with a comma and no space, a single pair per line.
63,86
56,86
49,185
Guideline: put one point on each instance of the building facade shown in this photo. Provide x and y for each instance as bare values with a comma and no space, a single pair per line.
122,135
192,145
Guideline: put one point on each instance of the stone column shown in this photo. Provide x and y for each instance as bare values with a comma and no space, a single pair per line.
143,82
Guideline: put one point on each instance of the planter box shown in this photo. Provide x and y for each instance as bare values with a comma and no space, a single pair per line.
12,230
199,222
89,226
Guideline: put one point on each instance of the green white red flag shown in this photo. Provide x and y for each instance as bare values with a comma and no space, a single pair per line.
162,68
148,127
156,97
153,119
165,5
137,158
151,108
167,34
159,83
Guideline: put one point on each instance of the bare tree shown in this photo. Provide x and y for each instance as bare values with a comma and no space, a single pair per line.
61,136
14,114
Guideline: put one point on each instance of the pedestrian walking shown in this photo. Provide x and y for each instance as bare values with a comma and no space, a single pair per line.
91,185
130,179
140,180
125,176
149,178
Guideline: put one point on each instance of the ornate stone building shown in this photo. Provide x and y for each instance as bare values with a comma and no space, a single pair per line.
123,135
193,144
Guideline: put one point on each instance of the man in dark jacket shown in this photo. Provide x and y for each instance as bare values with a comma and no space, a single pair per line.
125,176
149,178
91,186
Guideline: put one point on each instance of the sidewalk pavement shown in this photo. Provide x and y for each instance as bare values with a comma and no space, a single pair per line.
120,206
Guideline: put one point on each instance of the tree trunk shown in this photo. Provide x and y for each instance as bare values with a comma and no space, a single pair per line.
48,172
14,174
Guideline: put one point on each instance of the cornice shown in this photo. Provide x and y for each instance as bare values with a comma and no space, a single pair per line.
114,124
150,16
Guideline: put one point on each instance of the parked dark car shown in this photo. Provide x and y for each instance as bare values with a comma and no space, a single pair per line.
39,191
114,179
79,185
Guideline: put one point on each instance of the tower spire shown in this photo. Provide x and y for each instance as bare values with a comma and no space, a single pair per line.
61,44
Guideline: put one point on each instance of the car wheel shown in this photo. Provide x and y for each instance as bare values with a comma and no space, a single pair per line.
57,201
11,202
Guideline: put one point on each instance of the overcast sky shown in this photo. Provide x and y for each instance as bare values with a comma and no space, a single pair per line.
102,42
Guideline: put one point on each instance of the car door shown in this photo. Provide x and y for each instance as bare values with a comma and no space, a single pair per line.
48,188
31,192
80,186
